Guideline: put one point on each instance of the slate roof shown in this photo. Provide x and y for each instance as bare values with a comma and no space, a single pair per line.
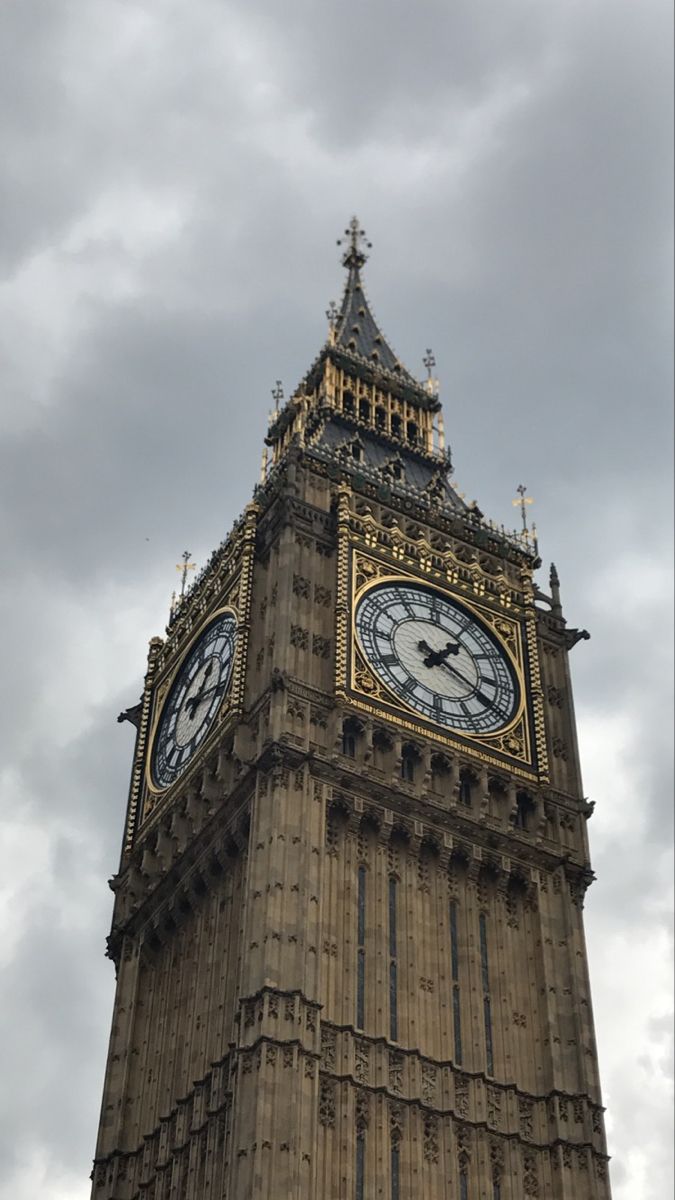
416,472
358,331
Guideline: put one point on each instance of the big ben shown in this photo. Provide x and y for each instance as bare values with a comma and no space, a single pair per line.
348,917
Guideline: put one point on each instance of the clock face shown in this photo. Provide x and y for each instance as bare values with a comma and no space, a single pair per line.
436,657
193,700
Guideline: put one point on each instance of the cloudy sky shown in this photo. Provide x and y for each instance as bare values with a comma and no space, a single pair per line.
173,177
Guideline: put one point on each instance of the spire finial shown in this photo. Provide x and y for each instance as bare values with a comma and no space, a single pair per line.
277,395
554,584
357,243
332,316
184,567
430,383
520,502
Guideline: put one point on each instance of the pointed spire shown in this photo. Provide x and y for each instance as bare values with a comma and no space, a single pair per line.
554,584
355,328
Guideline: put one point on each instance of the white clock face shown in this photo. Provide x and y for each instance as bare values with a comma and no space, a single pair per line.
436,657
193,700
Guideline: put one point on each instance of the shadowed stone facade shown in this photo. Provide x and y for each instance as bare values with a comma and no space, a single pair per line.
349,940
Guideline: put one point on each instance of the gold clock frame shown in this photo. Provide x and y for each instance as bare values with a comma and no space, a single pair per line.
163,690
519,747
505,631
228,586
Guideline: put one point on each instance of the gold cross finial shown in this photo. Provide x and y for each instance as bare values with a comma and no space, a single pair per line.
521,501
357,244
184,567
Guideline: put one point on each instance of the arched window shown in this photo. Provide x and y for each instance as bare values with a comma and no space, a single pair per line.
466,786
412,431
409,761
364,410
348,402
383,748
440,773
395,425
352,732
524,810
380,417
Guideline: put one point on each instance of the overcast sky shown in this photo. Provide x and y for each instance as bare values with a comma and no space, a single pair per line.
173,178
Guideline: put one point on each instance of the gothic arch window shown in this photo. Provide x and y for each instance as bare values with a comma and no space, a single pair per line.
410,758
383,747
467,786
524,810
395,425
348,402
487,999
393,958
361,947
380,417
364,410
440,773
352,734
456,994
412,431
357,451
497,793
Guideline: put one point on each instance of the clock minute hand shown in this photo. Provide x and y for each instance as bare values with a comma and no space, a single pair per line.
193,701
453,671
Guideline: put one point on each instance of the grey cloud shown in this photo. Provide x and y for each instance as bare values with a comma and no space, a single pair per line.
527,250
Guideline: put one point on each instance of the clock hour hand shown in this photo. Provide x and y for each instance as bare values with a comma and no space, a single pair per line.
436,658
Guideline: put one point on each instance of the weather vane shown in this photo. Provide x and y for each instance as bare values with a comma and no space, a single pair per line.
521,502
429,361
357,244
184,567
277,395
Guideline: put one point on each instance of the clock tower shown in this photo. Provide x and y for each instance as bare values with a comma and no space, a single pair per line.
348,928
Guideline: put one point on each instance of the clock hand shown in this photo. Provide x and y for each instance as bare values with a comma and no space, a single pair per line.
193,701
436,657
453,671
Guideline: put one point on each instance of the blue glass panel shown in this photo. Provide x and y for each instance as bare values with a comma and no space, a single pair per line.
457,1018
393,1002
496,1191
463,1186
